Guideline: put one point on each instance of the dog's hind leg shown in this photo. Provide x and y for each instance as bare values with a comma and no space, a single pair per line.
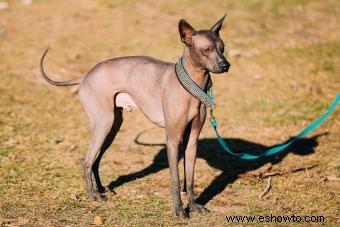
117,122
101,114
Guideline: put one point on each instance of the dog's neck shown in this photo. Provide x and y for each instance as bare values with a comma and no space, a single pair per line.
196,72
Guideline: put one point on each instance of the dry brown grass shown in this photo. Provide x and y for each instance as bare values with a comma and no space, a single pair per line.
285,72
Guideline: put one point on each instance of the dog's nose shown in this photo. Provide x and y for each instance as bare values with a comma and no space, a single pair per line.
225,66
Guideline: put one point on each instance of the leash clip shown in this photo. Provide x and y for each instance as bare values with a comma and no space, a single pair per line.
211,109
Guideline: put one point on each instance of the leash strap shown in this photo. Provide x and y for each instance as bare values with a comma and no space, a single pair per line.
279,148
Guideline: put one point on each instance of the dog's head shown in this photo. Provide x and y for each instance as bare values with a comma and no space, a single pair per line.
206,47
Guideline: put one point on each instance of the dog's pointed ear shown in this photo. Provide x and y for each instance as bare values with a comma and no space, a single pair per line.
217,27
186,32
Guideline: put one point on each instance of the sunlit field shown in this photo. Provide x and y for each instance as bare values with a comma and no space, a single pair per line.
284,74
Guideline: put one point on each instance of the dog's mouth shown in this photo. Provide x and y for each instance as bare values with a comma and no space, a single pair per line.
219,70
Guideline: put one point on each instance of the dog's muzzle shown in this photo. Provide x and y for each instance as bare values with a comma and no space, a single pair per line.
225,65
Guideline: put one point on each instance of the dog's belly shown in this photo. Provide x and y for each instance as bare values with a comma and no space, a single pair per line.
125,101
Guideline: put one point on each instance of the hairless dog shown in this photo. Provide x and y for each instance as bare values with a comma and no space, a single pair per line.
150,85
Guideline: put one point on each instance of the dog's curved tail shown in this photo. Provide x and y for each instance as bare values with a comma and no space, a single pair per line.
57,83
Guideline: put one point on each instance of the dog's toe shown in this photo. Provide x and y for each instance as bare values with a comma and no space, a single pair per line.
109,191
96,196
100,198
195,207
181,213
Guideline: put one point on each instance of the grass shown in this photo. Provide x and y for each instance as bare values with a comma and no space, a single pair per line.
284,75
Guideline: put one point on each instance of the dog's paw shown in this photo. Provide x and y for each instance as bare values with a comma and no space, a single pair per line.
106,190
195,207
109,191
180,212
100,198
96,196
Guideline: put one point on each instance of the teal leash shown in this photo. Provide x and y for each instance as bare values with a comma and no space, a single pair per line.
279,148
208,100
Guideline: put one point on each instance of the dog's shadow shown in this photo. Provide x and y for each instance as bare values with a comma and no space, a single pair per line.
231,167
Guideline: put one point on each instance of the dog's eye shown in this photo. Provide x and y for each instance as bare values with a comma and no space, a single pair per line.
209,49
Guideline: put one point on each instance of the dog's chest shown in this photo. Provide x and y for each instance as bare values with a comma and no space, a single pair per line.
194,108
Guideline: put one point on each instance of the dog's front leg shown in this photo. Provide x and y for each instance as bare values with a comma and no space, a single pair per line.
190,159
173,141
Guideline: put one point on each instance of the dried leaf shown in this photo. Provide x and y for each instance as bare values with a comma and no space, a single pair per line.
97,220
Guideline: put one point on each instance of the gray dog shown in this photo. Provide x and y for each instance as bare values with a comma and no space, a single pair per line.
152,86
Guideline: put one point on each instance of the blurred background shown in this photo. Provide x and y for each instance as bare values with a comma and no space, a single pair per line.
284,73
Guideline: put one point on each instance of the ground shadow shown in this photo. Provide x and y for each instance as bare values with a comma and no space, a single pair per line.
209,150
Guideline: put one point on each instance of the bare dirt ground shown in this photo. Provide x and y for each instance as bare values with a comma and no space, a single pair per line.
284,74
